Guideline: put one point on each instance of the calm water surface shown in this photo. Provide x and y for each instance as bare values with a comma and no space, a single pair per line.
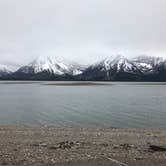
118,105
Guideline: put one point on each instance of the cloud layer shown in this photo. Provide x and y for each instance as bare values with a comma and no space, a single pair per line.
81,30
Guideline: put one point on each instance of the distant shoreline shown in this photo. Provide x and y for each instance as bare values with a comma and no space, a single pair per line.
80,83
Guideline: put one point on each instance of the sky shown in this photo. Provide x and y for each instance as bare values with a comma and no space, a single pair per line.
81,30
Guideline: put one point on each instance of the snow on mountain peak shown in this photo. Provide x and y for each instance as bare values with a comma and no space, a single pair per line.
142,64
55,65
4,70
119,62
146,63
48,64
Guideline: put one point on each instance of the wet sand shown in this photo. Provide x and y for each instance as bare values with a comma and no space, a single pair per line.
48,146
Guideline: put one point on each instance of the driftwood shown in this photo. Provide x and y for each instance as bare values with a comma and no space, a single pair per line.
156,148
117,162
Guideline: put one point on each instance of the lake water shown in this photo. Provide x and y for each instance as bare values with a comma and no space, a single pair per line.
118,105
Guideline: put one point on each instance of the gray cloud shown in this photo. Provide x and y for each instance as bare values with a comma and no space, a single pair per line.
83,30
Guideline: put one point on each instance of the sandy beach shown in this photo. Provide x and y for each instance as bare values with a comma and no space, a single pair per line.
47,146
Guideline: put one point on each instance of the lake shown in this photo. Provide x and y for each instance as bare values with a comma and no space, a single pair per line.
112,104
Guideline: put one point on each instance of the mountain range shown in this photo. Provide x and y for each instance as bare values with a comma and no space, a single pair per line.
114,68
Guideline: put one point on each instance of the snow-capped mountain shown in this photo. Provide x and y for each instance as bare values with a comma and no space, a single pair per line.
114,68
148,64
57,66
48,68
4,70
118,63
120,68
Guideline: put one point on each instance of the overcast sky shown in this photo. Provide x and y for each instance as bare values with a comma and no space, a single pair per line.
83,30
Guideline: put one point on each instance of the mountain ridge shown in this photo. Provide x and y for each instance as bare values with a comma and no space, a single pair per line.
120,68
113,68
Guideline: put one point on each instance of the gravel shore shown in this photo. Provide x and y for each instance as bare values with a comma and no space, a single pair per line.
49,146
